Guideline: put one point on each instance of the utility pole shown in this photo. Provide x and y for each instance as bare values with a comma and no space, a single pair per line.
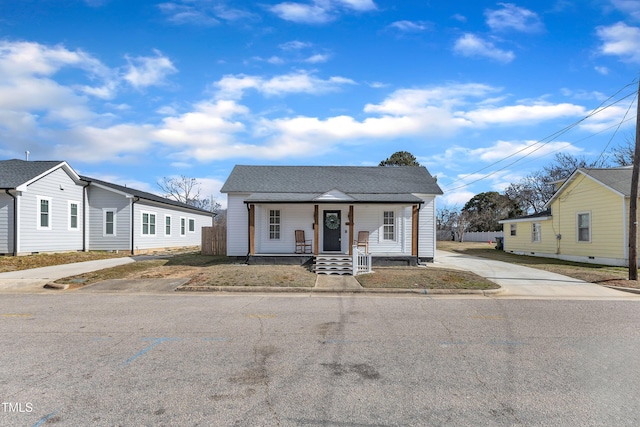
633,204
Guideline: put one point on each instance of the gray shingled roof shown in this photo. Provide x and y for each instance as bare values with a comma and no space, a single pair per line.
304,183
619,179
143,194
14,172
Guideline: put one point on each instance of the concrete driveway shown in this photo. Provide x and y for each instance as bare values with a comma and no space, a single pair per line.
34,279
519,281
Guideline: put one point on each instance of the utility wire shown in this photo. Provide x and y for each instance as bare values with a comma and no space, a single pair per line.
542,142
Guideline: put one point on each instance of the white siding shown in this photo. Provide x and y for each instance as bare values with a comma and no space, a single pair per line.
60,189
100,199
6,224
371,218
293,217
237,225
161,239
427,227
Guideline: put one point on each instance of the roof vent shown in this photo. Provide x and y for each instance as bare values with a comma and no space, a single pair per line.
26,155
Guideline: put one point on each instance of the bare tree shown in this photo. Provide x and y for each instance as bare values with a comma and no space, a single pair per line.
622,155
185,190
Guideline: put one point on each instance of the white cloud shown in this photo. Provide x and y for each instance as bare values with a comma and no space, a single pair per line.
470,45
512,17
632,7
601,70
319,11
144,71
523,114
295,45
620,40
317,58
201,12
234,86
409,26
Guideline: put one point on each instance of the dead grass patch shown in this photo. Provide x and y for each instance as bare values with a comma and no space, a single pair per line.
423,278
593,273
16,263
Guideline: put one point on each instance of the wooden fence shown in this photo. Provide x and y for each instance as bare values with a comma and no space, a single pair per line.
214,240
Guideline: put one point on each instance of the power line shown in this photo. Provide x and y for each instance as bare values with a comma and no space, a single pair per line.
542,142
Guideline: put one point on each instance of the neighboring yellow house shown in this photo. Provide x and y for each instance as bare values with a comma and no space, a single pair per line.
586,220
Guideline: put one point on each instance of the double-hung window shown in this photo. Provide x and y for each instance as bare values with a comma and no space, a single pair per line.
109,222
514,229
192,225
183,226
388,226
274,224
44,213
584,227
536,233
148,224
167,225
73,216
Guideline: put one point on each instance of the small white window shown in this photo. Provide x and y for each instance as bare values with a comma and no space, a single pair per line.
536,229
44,213
183,226
584,227
192,225
274,224
514,229
109,222
388,226
167,225
73,215
148,224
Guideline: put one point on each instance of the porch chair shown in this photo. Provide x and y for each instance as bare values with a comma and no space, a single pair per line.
363,240
303,246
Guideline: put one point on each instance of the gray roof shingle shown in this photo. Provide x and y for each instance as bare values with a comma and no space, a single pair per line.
619,179
14,172
144,195
304,183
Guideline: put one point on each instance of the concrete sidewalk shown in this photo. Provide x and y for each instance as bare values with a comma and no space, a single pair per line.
33,280
521,281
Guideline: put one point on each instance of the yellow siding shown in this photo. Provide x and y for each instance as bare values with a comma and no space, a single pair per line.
523,242
584,195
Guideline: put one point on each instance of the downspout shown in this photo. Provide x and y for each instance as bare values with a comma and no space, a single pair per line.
246,261
84,217
133,246
15,222
418,239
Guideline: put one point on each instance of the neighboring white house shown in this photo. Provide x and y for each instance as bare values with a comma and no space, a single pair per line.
45,206
331,204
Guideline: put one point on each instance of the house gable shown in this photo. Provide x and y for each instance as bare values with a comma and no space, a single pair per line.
334,196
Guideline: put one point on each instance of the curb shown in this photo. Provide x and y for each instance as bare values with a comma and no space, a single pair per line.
620,288
56,286
269,289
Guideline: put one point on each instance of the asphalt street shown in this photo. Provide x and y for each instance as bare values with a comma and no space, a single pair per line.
73,359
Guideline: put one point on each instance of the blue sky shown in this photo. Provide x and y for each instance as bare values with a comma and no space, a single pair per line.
132,91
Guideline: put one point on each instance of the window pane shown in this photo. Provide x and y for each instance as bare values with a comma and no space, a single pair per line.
192,225
73,221
44,213
167,225
152,224
108,226
274,224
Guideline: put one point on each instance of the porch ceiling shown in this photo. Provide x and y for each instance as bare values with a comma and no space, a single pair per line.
314,198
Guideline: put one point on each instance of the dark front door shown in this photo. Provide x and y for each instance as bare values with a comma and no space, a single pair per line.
331,231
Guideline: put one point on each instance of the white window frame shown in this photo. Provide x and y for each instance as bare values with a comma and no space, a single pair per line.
389,227
513,230
149,224
183,226
191,222
536,235
166,216
274,229
104,222
49,225
578,214
70,215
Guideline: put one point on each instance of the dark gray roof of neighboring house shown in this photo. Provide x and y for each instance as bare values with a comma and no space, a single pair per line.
543,214
14,172
618,179
144,195
307,182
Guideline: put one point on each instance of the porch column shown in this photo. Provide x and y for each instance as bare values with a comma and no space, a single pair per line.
252,229
350,224
414,231
316,231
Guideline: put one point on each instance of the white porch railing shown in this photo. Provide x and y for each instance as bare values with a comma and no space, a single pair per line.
361,261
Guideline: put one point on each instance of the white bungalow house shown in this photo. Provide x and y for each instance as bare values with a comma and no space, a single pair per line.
45,206
395,206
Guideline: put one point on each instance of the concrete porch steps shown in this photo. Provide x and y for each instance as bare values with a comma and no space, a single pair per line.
333,264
